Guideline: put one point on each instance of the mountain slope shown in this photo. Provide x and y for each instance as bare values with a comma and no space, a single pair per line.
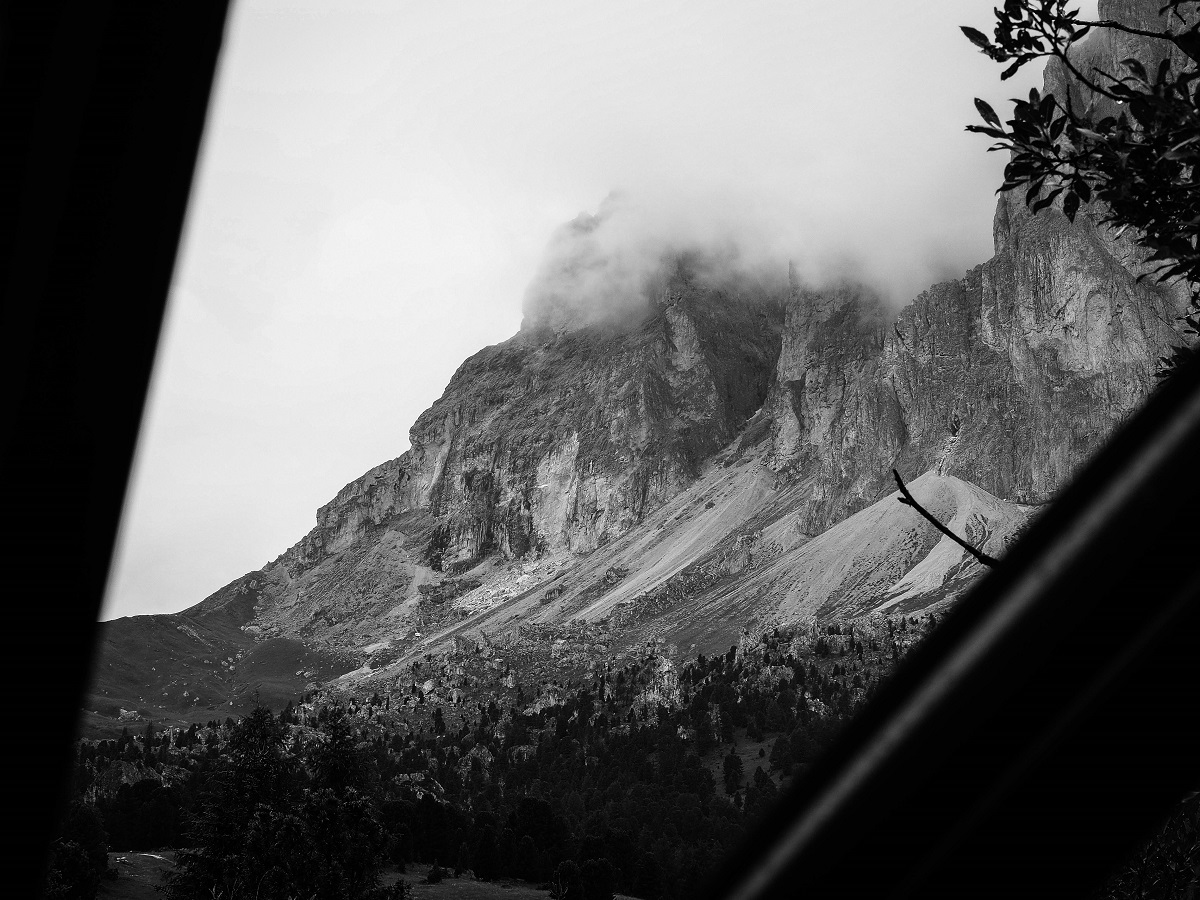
564,438
681,453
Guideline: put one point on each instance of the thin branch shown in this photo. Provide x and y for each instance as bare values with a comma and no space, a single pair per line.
1117,26
909,500
1187,41
1061,54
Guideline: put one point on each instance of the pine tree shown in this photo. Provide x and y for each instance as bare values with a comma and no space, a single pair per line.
732,769
463,862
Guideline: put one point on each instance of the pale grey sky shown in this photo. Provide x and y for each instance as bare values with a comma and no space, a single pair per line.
379,180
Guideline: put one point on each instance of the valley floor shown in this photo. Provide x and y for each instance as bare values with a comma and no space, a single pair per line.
140,874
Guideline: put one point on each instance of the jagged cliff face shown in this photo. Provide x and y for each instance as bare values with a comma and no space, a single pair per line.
1009,378
632,368
565,437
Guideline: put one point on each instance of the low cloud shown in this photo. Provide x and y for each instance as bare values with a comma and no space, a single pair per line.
604,265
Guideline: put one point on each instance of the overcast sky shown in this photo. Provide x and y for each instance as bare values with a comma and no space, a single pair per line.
378,182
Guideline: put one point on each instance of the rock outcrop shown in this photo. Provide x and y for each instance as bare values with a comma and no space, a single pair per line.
1009,378
565,437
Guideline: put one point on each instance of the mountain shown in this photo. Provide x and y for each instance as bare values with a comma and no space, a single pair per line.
675,448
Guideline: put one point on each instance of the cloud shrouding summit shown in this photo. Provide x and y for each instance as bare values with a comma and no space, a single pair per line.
599,266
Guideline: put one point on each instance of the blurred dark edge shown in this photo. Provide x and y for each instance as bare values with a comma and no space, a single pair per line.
1046,727
104,104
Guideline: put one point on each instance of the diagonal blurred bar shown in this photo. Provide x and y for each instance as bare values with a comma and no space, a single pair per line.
1045,727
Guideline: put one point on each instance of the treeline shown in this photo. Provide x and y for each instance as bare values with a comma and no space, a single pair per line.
632,782
624,784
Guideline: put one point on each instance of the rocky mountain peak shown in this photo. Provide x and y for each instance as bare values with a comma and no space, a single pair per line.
673,447
591,274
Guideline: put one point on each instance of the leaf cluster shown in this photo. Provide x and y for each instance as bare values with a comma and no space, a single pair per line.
1139,166
1026,31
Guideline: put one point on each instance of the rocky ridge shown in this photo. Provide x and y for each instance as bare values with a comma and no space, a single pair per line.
564,438
713,452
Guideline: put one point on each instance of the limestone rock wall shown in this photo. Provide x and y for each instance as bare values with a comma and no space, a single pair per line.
565,437
1010,378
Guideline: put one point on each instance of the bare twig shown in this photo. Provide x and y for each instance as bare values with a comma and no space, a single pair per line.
909,500
1128,29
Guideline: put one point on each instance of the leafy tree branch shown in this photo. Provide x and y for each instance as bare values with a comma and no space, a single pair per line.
1140,166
